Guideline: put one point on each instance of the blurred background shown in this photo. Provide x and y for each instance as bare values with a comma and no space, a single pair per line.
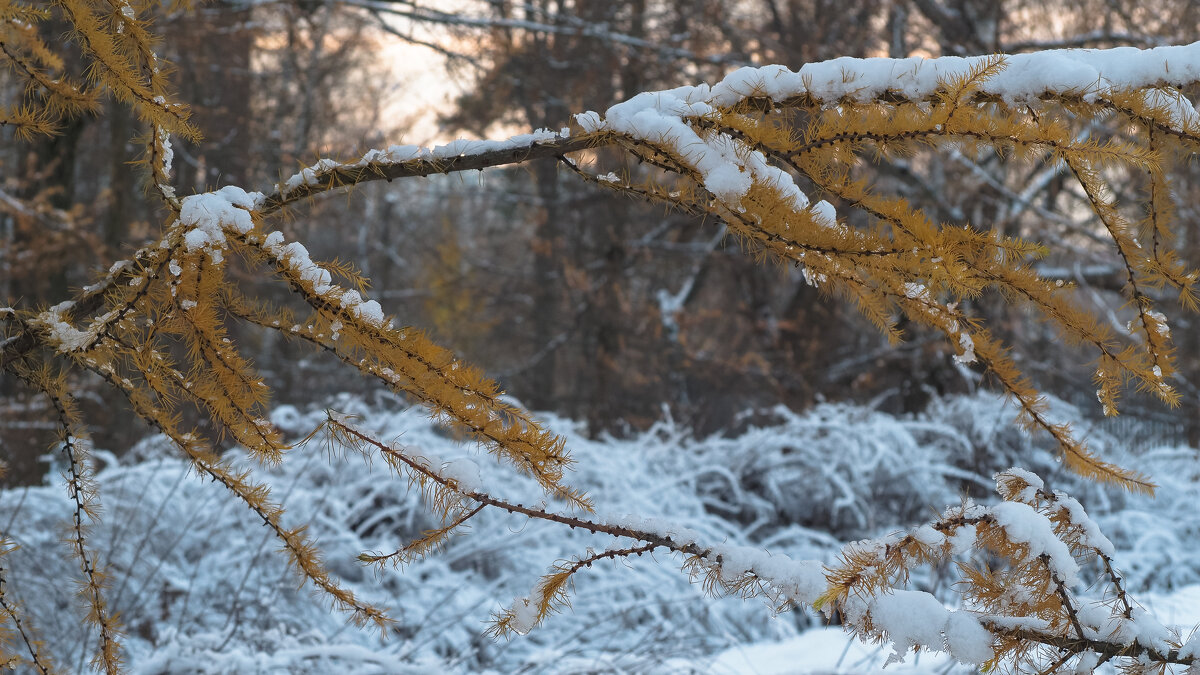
580,302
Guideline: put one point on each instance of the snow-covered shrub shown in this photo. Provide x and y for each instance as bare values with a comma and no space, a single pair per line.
201,590
849,471
836,470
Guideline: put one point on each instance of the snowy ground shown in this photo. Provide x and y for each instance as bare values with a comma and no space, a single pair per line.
202,590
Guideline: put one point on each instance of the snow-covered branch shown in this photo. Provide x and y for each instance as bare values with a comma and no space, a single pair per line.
1089,75
1010,609
408,161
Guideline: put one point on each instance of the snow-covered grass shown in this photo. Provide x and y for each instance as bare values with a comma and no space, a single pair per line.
201,588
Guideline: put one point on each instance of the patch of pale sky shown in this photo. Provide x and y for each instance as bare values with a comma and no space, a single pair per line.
424,90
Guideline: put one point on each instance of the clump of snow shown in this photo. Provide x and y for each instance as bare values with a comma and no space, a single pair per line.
1160,323
967,640
1023,524
727,168
929,536
589,121
524,614
205,218
113,272
167,154
968,349
915,290
963,540
296,258
309,175
1033,483
1031,479
1141,628
1091,534
824,213
1180,111
464,473
916,619
61,334
370,312
1087,663
1191,648
910,619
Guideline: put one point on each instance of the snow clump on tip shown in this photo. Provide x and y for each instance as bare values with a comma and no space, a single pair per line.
207,216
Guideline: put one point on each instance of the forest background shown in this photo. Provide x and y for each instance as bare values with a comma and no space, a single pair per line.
577,300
